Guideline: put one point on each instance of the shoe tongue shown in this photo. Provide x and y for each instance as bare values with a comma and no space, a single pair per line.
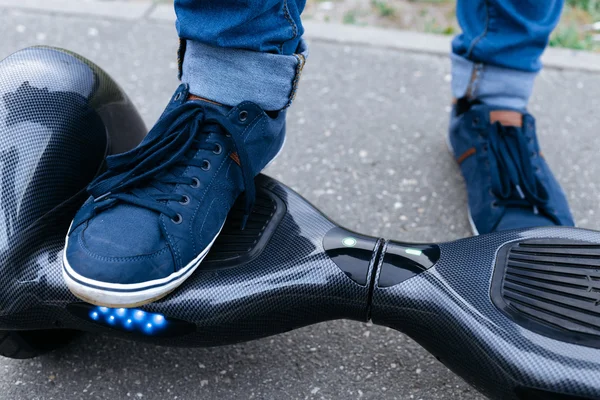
507,118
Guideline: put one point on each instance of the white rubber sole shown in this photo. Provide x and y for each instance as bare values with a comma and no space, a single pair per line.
471,222
127,295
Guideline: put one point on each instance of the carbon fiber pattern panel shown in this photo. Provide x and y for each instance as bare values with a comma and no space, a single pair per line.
448,310
60,115
292,283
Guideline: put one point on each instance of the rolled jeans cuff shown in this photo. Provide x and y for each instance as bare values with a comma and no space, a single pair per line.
492,85
231,76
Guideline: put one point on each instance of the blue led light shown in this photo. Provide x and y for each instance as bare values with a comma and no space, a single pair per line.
158,319
131,320
148,328
139,315
129,324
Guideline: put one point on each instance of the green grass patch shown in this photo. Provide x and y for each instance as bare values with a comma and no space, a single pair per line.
350,17
383,9
592,7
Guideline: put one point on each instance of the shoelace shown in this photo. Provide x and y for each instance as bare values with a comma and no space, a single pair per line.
145,176
515,183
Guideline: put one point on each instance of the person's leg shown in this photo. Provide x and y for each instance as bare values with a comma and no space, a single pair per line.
497,56
249,50
494,64
156,211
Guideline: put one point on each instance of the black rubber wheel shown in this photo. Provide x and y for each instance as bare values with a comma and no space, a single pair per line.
29,344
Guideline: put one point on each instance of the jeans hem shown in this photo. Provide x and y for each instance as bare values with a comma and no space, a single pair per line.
231,76
495,86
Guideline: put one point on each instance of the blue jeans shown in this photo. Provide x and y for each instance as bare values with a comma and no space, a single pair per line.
236,50
497,56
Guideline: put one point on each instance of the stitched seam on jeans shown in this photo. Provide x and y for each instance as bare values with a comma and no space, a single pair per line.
299,67
478,68
485,31
475,77
286,14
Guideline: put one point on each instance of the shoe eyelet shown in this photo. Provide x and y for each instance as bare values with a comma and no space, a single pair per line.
185,201
243,116
205,165
195,183
475,121
485,147
177,220
494,204
177,96
218,149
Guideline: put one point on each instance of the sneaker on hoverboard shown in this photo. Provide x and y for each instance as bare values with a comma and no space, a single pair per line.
157,209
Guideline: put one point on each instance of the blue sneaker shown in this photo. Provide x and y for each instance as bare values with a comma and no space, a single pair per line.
155,212
509,184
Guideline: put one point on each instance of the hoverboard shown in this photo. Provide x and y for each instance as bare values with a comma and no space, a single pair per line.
516,314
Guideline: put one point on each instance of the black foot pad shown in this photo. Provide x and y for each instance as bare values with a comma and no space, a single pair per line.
552,287
235,246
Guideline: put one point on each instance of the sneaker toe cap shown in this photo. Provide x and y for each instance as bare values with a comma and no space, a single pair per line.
90,256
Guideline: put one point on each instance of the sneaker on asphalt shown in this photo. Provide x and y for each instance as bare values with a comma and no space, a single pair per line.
509,184
155,212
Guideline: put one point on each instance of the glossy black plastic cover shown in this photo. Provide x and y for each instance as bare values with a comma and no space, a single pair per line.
402,261
60,115
352,252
